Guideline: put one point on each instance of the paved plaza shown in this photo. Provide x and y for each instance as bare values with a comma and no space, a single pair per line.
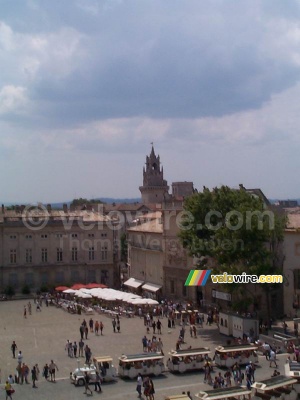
42,337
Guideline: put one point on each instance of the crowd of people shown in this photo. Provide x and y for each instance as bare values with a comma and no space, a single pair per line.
162,318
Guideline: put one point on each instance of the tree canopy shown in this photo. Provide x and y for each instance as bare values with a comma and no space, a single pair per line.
234,228
82,201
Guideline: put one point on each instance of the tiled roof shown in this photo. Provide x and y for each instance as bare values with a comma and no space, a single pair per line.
148,223
84,215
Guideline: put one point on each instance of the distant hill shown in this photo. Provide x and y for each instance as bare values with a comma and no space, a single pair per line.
274,201
108,200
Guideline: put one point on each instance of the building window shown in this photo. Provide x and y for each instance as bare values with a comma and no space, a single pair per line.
29,280
59,277
104,277
104,253
91,254
13,279
172,286
91,277
28,236
75,276
296,279
44,278
59,235
74,254
28,256
44,255
44,236
59,254
91,235
74,235
13,256
103,234
13,237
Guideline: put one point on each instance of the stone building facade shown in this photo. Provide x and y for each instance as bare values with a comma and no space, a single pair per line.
291,271
46,247
156,257
146,254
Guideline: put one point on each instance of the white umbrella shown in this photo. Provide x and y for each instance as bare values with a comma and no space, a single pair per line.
144,301
84,290
70,291
84,295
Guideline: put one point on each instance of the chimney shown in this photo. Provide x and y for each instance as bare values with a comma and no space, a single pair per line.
49,207
65,208
2,208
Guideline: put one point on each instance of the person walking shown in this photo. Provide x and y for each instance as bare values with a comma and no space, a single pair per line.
46,371
160,346
158,326
139,383
272,358
88,354
114,325
146,385
81,346
97,328
118,326
8,390
34,376
24,373
37,372
98,382
75,349
86,383
151,390
14,347
81,330
91,325
52,368
101,327
20,357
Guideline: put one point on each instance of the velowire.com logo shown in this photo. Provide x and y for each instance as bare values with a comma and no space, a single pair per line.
197,277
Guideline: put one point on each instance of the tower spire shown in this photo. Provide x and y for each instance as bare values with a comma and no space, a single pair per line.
154,185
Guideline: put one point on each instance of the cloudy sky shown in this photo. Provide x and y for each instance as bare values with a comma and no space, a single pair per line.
87,85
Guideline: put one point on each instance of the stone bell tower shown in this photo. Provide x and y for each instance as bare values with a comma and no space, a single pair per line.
154,186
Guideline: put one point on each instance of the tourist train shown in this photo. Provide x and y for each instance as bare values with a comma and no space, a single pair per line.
188,360
145,364
227,356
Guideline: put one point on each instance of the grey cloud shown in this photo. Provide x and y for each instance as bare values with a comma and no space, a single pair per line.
160,59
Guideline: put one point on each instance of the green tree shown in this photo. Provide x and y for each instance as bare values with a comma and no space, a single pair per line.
237,231
82,201
9,291
124,246
26,289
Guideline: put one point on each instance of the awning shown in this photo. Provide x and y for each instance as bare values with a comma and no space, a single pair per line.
152,287
132,282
